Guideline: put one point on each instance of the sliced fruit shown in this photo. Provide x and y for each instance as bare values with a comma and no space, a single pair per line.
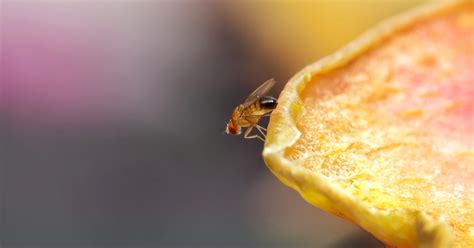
382,132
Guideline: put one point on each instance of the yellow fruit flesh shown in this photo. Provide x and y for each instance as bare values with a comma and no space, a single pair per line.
387,140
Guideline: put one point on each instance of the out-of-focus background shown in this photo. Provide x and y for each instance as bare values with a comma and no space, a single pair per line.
112,115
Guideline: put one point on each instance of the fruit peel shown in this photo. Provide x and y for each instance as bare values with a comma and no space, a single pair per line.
382,215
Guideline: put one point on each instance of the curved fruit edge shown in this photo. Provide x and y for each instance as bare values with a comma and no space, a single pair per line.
394,228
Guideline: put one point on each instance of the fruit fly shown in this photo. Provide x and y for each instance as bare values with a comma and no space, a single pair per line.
247,114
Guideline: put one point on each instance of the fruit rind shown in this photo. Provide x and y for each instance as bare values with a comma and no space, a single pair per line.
401,228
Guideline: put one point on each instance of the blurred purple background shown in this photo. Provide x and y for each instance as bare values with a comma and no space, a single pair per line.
112,115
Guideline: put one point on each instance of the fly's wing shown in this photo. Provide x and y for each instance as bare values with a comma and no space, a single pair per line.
260,91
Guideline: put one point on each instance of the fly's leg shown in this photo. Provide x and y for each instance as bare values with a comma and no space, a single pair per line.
260,116
247,136
262,130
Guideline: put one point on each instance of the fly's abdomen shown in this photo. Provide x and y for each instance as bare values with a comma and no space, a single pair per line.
268,102
259,108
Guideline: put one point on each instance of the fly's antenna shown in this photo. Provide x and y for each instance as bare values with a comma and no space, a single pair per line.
224,132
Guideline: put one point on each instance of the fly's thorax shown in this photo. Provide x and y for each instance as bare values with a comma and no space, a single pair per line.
237,112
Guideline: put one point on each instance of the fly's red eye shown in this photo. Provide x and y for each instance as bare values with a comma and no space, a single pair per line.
232,130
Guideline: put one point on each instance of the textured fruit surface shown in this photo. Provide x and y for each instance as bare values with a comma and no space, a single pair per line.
382,132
